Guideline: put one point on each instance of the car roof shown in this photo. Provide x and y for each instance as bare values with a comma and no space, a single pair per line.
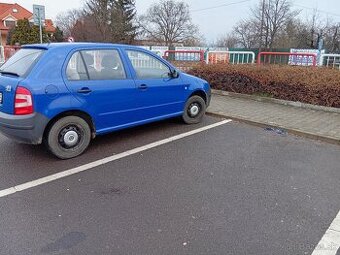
76,45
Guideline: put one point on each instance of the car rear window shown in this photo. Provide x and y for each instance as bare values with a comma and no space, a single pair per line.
21,62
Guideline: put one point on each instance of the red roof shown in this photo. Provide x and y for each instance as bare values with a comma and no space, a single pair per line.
18,12
14,10
49,27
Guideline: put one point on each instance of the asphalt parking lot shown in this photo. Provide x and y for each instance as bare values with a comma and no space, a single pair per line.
231,189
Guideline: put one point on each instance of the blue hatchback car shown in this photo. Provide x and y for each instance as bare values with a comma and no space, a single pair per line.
67,93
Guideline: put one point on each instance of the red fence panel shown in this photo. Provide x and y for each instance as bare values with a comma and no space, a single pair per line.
9,51
286,58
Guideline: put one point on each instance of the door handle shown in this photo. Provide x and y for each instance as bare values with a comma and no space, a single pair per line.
143,87
84,90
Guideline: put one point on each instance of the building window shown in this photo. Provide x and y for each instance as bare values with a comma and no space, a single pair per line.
9,23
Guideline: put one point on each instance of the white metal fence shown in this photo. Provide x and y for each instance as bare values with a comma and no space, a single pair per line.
230,57
330,61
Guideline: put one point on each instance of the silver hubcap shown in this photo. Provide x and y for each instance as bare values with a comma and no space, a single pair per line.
71,138
194,110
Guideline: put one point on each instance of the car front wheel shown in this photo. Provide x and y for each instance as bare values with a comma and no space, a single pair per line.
194,110
68,137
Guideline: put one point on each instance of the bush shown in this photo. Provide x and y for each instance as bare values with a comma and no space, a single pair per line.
317,86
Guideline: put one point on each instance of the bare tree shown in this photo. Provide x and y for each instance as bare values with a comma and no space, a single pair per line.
85,30
294,35
335,46
308,34
195,41
332,37
283,28
228,41
99,12
276,14
169,22
67,20
248,33
313,28
267,24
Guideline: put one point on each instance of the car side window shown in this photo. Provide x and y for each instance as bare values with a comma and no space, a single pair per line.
95,65
104,64
147,66
76,70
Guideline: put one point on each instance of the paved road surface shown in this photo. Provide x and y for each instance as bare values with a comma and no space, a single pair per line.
234,189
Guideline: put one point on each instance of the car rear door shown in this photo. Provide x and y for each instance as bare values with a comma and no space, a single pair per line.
158,94
105,89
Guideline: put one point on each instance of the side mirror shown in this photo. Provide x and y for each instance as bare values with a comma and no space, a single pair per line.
174,74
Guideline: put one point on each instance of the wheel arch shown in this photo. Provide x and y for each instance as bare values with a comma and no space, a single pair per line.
85,116
201,94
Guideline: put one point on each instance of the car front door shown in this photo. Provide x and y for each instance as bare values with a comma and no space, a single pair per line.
103,87
158,94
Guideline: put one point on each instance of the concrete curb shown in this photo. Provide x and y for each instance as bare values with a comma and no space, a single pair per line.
293,131
277,101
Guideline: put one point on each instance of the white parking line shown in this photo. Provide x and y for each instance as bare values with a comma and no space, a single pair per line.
103,161
330,242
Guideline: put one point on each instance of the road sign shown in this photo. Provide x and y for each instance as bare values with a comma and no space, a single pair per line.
39,18
70,39
38,14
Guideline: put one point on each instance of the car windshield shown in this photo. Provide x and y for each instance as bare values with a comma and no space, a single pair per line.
21,62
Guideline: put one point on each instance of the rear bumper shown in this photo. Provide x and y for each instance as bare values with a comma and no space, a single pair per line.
24,129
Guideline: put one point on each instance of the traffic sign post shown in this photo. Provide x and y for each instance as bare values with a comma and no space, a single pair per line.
39,17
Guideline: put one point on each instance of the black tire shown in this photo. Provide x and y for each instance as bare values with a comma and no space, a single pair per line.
68,137
194,110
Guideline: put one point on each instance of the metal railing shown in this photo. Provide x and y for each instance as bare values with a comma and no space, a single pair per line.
7,52
184,59
184,55
286,58
330,61
10,51
230,57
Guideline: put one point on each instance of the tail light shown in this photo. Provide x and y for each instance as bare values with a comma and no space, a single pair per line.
23,103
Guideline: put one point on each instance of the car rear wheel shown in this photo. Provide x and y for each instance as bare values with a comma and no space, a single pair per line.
194,110
68,137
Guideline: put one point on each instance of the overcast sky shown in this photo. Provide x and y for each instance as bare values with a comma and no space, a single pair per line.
213,22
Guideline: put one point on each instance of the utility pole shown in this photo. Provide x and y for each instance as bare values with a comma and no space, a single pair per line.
262,24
